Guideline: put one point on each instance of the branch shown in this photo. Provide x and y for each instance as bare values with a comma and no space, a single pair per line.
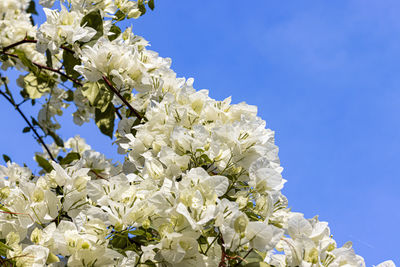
247,254
24,41
112,88
40,66
18,43
29,124
223,253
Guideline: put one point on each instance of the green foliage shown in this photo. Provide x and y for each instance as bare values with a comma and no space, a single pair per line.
105,119
26,129
6,158
69,62
49,61
44,163
32,8
59,142
93,20
34,87
151,4
97,94
70,157
116,30
4,248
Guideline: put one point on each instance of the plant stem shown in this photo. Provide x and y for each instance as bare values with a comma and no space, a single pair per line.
29,124
247,254
24,41
40,66
112,88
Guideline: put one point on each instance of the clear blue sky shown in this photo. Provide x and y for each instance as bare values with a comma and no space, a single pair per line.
325,77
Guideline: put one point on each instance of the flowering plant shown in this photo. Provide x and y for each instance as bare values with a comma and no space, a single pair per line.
201,181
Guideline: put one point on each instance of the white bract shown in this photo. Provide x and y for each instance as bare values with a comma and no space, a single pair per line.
200,184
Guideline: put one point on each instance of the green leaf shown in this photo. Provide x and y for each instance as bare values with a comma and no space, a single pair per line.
70,157
119,242
4,57
6,158
34,87
59,142
26,129
34,121
142,8
253,259
32,8
69,62
3,208
257,264
151,4
97,94
116,30
105,120
137,232
91,91
70,96
44,163
93,20
5,80
4,248
120,15
21,55
49,61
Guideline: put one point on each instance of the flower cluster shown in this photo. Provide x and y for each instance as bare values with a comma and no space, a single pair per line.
201,180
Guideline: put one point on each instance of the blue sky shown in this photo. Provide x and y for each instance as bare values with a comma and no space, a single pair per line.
325,77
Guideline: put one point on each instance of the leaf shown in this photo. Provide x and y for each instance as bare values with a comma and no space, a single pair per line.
49,61
151,4
116,30
119,242
70,157
252,258
59,142
69,62
32,8
34,121
137,232
93,20
105,120
70,96
97,94
44,163
4,79
22,57
257,264
91,90
4,248
120,15
142,8
33,87
26,129
6,158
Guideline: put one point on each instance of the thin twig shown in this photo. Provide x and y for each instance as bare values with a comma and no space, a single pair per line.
112,88
40,66
247,254
118,114
223,253
24,41
18,43
29,124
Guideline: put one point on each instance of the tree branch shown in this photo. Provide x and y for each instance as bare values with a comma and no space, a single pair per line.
29,124
40,66
112,88
24,41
